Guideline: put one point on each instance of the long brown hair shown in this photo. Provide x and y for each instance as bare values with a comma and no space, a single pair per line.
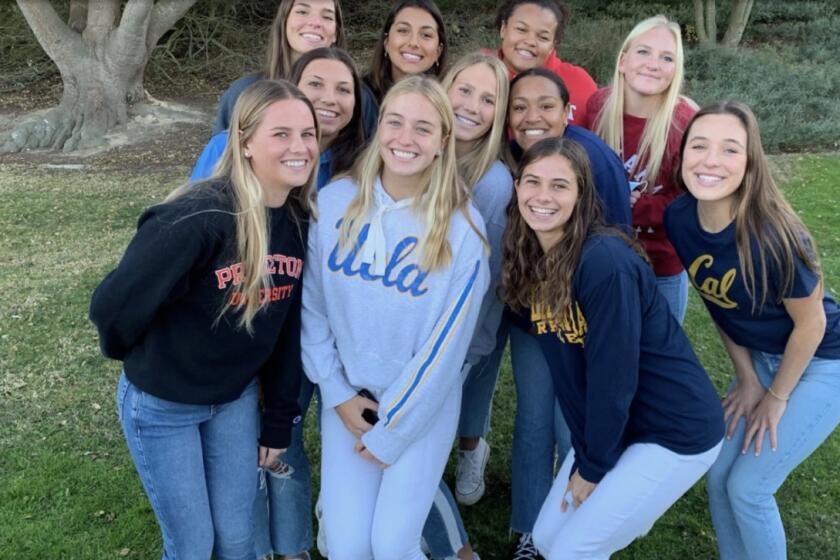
379,77
533,276
762,215
278,54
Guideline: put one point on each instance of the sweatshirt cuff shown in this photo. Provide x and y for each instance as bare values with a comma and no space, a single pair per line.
335,390
590,473
278,437
385,446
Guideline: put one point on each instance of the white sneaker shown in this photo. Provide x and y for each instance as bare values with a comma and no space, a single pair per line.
525,549
469,479
321,540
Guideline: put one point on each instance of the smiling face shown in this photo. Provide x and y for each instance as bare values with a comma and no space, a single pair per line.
329,86
473,98
546,195
649,63
410,135
715,158
536,111
283,149
528,37
311,24
412,43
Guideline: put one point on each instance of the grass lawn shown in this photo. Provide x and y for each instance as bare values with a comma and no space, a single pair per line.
67,486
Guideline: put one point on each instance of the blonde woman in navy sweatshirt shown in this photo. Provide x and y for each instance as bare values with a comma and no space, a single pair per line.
205,300
645,421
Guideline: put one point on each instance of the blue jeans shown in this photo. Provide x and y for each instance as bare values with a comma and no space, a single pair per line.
479,386
675,290
283,508
538,426
742,488
198,467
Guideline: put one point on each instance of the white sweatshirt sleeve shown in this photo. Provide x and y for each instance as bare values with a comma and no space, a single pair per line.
319,353
416,395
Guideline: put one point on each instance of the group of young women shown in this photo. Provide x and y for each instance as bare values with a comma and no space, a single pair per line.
378,240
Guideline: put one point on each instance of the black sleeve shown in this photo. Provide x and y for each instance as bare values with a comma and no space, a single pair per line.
280,378
165,248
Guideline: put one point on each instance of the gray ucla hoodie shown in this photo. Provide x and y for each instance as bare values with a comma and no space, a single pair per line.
373,319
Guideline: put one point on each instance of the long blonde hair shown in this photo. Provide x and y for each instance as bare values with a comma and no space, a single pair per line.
484,153
762,216
248,199
278,54
654,141
443,194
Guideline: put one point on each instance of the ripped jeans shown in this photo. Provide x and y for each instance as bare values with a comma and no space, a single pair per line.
283,507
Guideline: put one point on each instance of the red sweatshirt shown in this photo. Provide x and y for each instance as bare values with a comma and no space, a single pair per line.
649,210
578,81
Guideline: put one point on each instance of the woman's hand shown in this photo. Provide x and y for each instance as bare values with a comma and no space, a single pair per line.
764,418
635,195
579,489
741,401
350,412
268,456
364,453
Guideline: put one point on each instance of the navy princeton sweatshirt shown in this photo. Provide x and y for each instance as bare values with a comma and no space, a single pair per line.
159,310
624,371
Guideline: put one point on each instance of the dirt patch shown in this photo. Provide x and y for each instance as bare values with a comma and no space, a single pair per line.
160,133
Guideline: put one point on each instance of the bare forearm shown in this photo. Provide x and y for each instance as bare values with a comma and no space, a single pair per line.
799,350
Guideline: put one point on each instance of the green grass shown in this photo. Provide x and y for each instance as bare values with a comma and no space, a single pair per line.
68,488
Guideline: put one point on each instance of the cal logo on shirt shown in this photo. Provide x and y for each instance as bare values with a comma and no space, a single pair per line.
571,328
715,290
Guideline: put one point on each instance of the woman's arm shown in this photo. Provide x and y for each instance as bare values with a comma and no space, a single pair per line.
165,248
416,395
321,361
747,392
809,322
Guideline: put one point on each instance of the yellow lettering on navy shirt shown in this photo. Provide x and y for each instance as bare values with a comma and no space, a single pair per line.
713,289
571,328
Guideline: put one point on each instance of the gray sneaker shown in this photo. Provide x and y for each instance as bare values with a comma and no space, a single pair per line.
469,479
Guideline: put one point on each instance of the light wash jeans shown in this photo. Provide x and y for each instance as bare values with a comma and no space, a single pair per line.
538,427
283,508
197,465
675,290
742,488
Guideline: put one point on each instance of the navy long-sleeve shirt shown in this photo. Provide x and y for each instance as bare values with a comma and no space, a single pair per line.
159,311
624,371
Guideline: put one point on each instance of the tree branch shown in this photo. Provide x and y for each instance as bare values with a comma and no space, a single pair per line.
78,15
130,36
100,19
52,34
711,21
164,16
738,19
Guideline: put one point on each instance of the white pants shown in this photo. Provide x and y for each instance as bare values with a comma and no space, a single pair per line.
373,513
645,482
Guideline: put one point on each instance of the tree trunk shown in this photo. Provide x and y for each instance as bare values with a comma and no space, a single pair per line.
101,64
94,100
738,19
